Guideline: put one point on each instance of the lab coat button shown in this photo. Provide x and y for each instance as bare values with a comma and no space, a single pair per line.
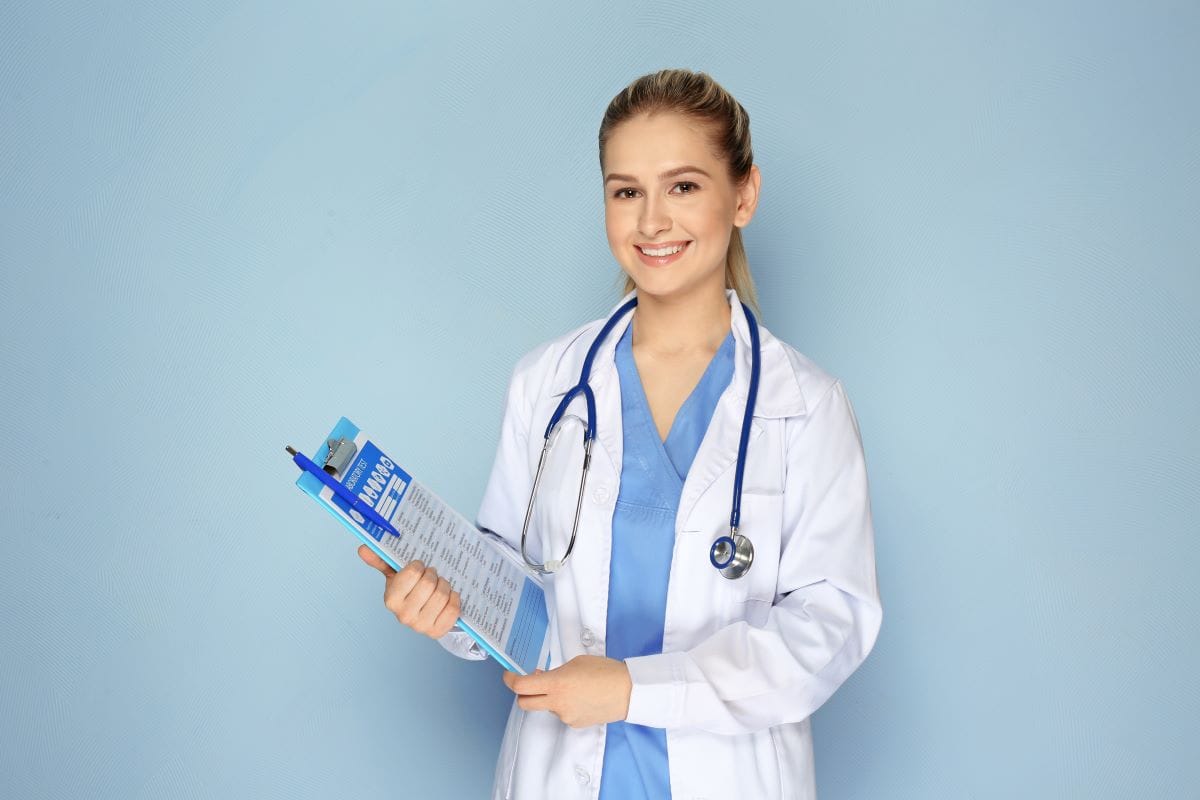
582,776
600,495
587,638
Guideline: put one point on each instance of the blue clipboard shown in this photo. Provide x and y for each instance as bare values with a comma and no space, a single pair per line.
528,633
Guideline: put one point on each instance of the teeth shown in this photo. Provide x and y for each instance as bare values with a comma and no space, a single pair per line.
662,251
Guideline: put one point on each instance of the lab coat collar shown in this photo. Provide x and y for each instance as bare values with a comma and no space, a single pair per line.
779,393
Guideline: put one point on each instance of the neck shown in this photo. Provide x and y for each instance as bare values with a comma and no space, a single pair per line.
674,326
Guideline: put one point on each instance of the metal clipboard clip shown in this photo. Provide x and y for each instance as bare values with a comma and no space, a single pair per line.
341,452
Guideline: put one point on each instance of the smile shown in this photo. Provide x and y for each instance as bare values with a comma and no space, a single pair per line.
661,251
661,255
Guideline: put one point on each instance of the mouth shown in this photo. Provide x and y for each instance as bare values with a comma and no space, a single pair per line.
659,255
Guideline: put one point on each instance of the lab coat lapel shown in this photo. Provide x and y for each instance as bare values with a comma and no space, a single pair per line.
717,453
609,425
590,572
778,395
589,566
605,386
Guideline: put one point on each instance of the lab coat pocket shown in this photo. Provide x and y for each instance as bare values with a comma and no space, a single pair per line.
750,596
754,592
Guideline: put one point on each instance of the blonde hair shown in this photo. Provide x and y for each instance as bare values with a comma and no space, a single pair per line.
696,95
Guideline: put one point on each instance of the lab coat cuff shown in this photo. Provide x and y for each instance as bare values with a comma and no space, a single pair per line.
659,683
462,645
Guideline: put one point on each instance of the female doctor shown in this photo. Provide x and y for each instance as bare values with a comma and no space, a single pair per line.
670,677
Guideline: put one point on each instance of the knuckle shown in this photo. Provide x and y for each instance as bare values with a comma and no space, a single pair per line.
392,603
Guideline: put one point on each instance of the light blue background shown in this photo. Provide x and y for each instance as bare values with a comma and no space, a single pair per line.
223,227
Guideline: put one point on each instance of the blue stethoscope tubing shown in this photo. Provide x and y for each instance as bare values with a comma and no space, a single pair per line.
731,554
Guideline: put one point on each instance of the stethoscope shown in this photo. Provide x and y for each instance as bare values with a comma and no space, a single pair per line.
732,554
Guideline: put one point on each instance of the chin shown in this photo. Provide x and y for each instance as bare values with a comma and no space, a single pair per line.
665,285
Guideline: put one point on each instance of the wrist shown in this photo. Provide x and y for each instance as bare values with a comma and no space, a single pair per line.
626,689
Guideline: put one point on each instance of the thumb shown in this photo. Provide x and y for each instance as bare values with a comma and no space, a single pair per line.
368,555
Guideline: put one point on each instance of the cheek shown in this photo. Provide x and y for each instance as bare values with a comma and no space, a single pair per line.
711,224
615,228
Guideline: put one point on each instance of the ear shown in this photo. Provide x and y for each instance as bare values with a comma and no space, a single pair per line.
747,197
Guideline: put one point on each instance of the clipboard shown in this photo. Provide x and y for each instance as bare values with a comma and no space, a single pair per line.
503,601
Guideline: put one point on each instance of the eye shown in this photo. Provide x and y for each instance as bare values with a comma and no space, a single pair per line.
691,187
620,194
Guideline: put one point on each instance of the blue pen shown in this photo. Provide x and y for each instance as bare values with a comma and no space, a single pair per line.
356,504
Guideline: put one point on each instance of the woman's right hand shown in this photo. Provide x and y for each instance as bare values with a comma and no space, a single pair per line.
417,595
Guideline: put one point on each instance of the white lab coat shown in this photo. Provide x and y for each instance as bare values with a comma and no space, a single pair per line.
745,662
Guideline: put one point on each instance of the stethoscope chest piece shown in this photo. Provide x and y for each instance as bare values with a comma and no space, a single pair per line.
732,555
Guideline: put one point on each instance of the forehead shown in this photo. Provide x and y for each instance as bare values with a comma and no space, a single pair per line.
648,143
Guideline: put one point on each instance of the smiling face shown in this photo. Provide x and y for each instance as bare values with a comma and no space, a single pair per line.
670,205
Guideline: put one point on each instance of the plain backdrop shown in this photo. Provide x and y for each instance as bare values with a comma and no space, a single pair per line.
225,225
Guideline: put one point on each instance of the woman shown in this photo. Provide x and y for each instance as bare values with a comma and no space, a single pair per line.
668,678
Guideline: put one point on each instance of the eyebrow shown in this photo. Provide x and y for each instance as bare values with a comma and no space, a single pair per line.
662,176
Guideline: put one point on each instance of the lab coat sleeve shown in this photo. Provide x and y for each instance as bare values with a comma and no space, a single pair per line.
502,511
826,613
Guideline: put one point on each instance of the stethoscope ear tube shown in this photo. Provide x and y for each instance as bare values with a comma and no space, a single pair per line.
732,555
553,565
537,479
735,513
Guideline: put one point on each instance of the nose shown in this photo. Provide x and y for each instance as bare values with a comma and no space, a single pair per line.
654,218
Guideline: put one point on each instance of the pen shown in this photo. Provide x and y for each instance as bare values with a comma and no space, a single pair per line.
356,503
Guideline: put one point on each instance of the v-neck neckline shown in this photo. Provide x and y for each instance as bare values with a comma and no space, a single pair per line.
643,403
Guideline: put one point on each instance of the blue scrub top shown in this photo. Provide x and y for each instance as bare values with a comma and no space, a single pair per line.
643,538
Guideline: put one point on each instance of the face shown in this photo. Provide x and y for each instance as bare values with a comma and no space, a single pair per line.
670,206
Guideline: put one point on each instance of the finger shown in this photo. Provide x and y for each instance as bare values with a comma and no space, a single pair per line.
515,682
422,590
535,702
445,620
538,683
369,556
404,580
399,586
434,606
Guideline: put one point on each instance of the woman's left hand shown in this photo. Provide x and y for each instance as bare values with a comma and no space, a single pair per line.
587,690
